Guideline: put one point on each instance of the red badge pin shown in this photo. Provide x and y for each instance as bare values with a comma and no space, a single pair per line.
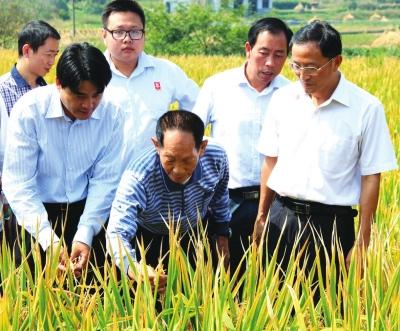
157,85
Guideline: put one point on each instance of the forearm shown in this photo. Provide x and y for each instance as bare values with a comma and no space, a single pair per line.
266,194
368,204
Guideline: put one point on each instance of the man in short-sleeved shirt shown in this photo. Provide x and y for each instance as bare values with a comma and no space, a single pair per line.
326,142
144,85
235,102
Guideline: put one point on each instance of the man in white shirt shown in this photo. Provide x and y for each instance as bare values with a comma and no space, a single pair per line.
325,142
235,103
144,85
61,172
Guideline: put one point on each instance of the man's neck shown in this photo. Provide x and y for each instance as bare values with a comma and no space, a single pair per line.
256,84
26,74
320,97
125,68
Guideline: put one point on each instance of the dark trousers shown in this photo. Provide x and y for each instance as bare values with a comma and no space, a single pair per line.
64,220
313,231
242,226
157,246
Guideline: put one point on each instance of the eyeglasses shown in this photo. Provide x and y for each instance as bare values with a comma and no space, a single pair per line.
135,34
311,71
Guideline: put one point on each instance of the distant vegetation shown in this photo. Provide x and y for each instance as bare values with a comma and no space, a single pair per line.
195,29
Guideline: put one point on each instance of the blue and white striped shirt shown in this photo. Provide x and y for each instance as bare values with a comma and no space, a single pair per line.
54,159
147,197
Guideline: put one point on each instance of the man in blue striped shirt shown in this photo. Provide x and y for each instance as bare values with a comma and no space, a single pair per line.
38,45
62,169
181,179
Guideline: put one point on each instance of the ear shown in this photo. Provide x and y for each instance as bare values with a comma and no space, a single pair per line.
202,148
25,50
58,84
156,144
338,61
247,48
103,35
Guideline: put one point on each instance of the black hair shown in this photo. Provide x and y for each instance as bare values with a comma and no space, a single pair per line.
123,6
80,62
271,24
323,34
35,34
182,120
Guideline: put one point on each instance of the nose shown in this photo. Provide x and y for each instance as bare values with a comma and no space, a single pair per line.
89,104
269,60
303,75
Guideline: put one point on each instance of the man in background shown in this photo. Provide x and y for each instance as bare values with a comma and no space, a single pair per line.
235,103
38,44
144,85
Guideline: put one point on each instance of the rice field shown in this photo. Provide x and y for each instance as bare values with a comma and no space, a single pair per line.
201,298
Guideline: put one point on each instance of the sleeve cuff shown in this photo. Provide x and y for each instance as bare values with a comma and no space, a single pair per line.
84,234
46,237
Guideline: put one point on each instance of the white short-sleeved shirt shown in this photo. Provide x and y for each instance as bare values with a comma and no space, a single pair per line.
145,95
324,150
236,112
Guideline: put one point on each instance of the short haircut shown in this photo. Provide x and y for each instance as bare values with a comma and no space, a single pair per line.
271,24
323,34
182,120
35,34
83,62
123,6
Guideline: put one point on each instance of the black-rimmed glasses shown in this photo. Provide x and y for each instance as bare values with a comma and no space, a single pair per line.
134,34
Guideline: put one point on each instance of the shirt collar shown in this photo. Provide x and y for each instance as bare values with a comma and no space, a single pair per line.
276,83
21,82
341,94
55,109
172,186
144,61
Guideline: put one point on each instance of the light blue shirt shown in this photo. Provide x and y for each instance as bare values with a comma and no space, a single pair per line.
147,197
236,111
50,158
146,95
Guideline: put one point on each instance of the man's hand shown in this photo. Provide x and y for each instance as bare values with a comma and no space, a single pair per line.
80,254
259,226
62,258
223,249
356,252
152,274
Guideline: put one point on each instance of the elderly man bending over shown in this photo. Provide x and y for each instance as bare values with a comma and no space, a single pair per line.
181,178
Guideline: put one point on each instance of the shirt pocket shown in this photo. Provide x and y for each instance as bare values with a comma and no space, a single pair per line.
337,155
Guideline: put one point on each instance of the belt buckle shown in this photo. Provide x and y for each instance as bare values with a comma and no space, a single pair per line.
253,195
301,208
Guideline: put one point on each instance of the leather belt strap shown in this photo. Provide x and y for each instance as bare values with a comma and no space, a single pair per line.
305,207
245,193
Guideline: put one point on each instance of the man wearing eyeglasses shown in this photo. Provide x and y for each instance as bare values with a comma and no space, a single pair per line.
144,86
325,142
235,103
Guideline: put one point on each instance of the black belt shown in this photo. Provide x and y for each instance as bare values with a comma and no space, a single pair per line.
305,207
245,193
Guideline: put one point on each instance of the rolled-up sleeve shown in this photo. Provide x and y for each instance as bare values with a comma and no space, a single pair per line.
219,204
129,200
